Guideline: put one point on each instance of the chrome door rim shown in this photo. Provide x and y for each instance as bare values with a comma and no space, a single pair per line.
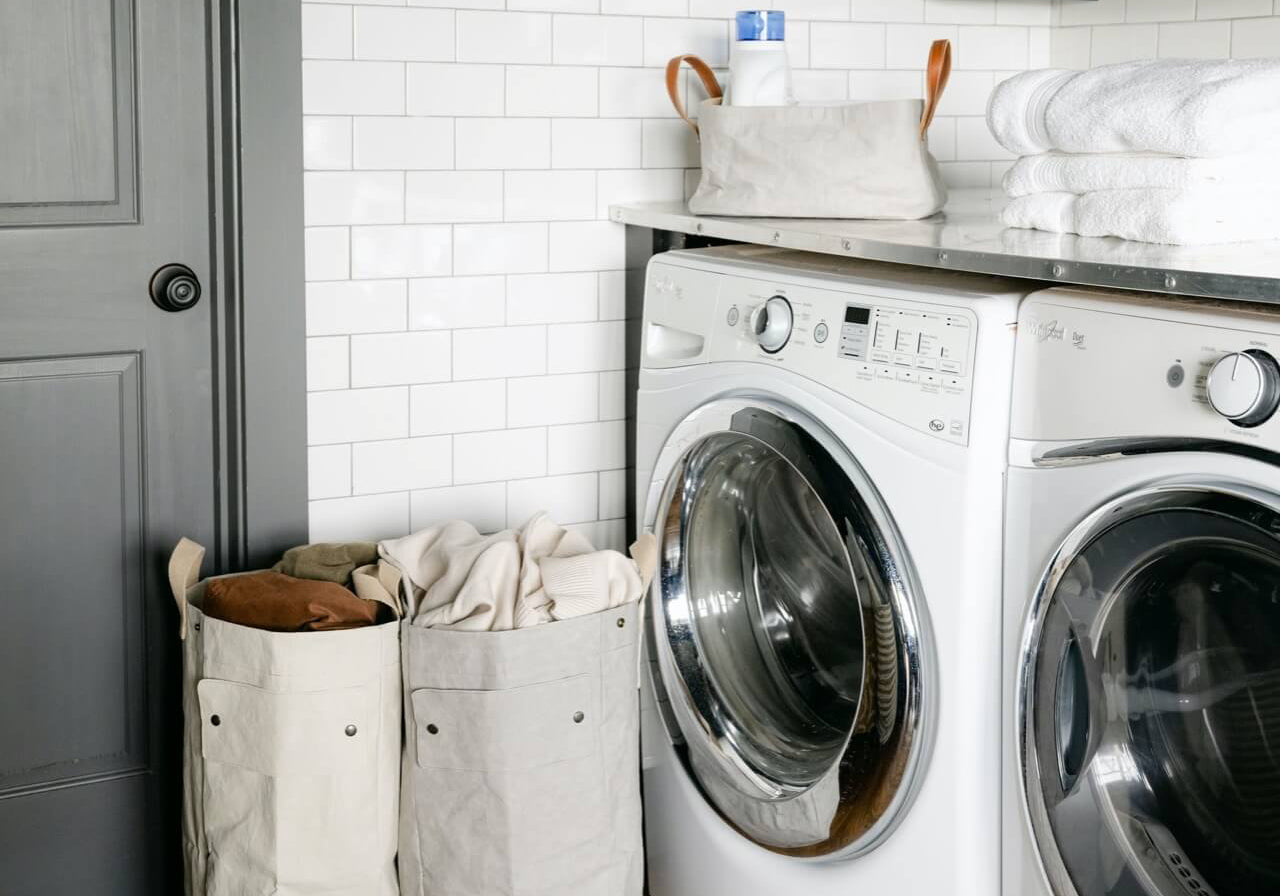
1127,506
910,615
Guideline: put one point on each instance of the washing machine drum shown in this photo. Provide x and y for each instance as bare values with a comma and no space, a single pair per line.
787,635
1153,719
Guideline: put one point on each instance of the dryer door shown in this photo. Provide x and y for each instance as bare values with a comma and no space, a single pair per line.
788,632
1150,698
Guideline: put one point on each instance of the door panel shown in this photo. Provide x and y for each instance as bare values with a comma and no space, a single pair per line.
107,440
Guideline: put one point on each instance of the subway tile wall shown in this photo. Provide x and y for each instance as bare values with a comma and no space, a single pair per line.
465,292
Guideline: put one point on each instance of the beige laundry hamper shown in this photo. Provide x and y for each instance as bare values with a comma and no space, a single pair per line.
292,751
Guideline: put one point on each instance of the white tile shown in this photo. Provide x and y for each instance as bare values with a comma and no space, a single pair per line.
1039,46
907,46
1024,12
372,306
596,143
1070,47
328,253
817,87
452,196
407,250
326,142
392,359
353,197
597,40
645,7
1200,40
665,38
888,10
634,93
352,88
543,400
585,447
647,185
365,518
400,464
483,506
548,90
613,395
974,141
504,37
555,5
797,44
504,454
503,143
579,348
551,298
967,93
566,499
1231,9
328,471
452,4
350,415
827,10
725,9
366,2
613,295
328,363
670,143
443,408
1160,10
417,35
846,45
587,246
443,88
500,248
885,85
403,143
966,175
326,32
499,351
942,138
1122,43
963,12
604,535
445,303
613,494
994,47
1255,37
1090,12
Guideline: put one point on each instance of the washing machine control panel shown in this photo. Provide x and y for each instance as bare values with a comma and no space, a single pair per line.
907,359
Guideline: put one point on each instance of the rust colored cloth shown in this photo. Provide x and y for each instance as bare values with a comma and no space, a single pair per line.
280,603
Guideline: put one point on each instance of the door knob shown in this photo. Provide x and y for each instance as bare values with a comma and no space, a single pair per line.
175,287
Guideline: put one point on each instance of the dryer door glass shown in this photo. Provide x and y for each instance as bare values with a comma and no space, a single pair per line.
789,667
1152,700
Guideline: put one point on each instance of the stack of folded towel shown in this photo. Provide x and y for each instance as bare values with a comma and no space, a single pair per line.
1163,151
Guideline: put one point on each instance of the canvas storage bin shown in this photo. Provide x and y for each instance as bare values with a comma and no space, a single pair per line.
844,160
291,765
521,764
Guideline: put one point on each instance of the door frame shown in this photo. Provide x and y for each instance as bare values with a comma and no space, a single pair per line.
257,282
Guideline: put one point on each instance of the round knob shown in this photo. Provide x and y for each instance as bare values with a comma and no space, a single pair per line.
771,323
1244,387
174,287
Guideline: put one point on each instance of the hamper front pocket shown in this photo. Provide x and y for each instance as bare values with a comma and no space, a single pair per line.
290,787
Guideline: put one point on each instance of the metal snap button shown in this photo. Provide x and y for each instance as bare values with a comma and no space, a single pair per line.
578,717
621,622
432,729
215,721
351,730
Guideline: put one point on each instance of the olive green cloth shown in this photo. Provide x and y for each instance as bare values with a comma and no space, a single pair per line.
327,562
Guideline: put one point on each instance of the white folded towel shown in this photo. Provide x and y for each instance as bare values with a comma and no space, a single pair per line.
1180,217
1059,172
1184,107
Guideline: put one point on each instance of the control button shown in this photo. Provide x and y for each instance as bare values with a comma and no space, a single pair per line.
926,363
903,360
820,333
733,316
949,366
957,427
880,357
908,376
1175,375
1244,387
771,322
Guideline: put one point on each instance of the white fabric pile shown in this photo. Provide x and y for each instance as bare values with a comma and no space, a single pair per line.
1162,151
458,579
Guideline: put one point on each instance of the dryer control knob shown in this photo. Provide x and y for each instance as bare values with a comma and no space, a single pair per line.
1244,387
771,322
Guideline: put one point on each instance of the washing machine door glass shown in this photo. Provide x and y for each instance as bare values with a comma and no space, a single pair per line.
787,636
1151,699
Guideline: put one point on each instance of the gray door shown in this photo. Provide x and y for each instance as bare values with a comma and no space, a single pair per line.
106,431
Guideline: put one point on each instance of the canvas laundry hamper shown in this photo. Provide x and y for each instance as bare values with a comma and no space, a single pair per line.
521,765
291,768
841,160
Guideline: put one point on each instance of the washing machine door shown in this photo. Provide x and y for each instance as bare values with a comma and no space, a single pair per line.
1150,698
788,633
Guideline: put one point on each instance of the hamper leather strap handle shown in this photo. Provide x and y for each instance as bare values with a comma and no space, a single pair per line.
936,76
184,570
703,71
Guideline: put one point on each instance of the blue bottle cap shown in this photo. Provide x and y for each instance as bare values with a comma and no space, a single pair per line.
761,24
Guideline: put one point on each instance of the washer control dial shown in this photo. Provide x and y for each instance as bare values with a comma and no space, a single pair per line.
771,322
1244,387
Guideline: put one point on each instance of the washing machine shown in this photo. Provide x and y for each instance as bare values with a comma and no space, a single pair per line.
1142,745
820,452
